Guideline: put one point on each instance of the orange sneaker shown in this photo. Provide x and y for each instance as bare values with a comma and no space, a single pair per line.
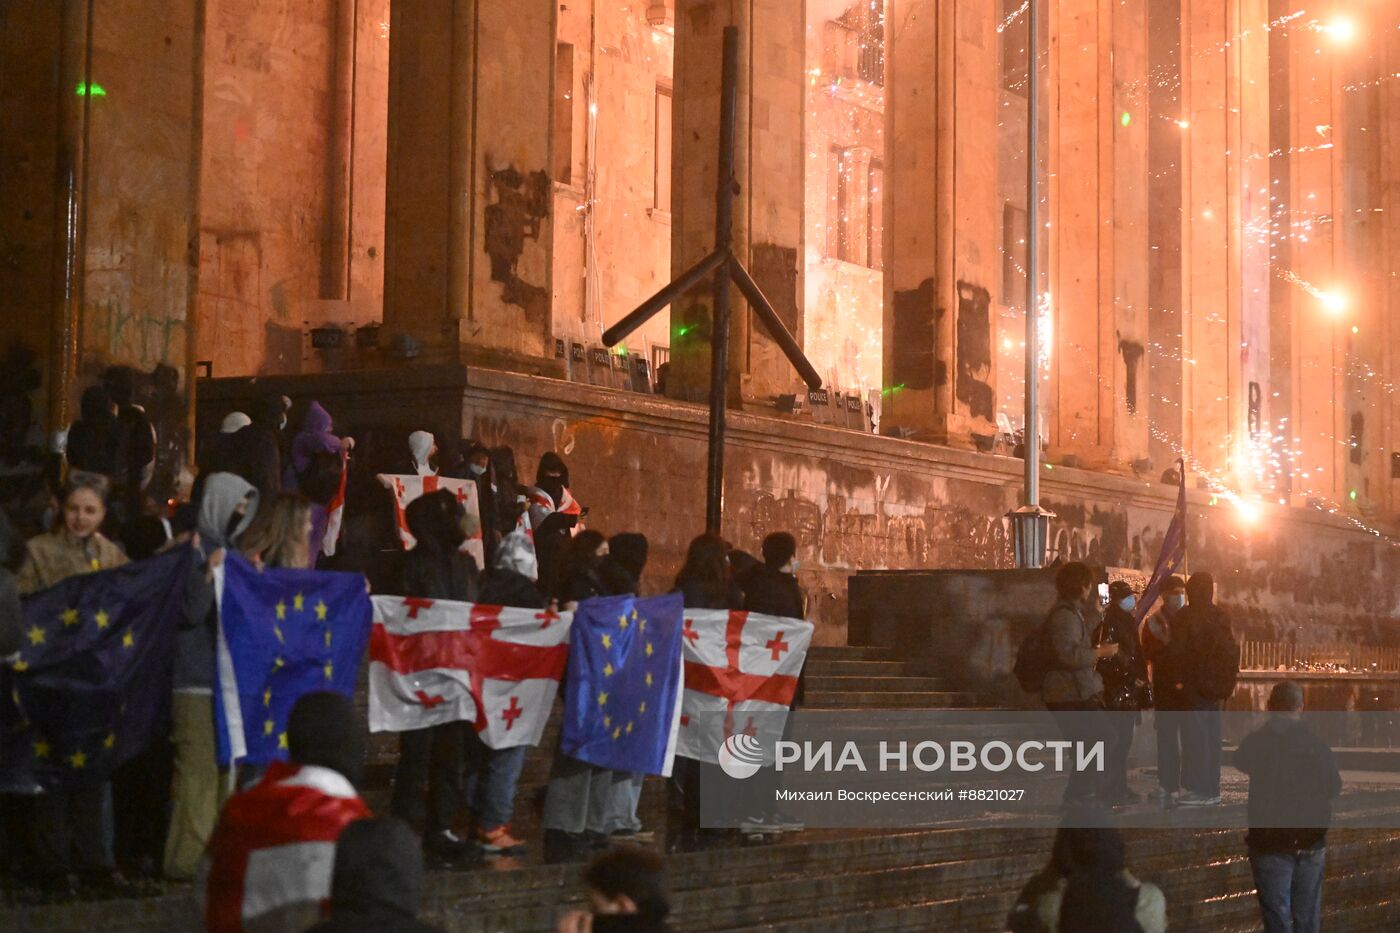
499,841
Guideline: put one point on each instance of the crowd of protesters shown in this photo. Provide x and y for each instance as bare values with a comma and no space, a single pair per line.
265,491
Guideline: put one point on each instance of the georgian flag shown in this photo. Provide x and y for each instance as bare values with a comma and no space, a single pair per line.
406,488
741,673
437,661
335,510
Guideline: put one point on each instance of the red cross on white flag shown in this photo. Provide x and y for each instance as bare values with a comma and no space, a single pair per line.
437,661
407,488
741,672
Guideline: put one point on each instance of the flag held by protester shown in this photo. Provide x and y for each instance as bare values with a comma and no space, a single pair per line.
741,671
622,700
282,634
406,488
1173,555
90,687
438,661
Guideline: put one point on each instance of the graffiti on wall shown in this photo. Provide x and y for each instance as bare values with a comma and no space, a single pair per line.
519,204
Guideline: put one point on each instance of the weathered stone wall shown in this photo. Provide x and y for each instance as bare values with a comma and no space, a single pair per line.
859,502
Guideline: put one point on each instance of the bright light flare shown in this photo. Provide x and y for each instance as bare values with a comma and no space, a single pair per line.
1341,29
1334,302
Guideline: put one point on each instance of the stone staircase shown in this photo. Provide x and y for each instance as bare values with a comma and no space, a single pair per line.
828,881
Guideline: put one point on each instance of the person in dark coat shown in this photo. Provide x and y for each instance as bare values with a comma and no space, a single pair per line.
627,893
1293,780
1087,888
475,465
93,439
377,883
1211,660
512,578
511,501
259,446
578,576
436,568
621,570
704,579
1121,675
1162,648
771,587
136,456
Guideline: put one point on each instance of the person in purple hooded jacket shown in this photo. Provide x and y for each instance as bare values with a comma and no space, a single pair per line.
315,466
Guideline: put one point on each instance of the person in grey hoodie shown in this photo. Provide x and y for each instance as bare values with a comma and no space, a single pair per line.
1073,690
226,508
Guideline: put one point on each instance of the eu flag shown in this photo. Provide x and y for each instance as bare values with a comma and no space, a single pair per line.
282,634
91,685
1173,556
623,683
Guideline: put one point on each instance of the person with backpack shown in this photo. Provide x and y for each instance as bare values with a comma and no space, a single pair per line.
1087,886
1211,660
1071,687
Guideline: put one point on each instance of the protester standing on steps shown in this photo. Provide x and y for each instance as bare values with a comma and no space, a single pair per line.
621,574
1293,780
1162,647
1073,689
1124,676
427,782
1087,888
1212,664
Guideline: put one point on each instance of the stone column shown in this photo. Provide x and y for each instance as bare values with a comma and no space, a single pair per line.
942,220
1387,198
1225,187
467,225
1098,129
768,210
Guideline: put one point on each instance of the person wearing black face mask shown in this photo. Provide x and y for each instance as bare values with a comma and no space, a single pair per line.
475,465
1162,647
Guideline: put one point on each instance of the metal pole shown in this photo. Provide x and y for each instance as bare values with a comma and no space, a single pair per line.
1032,429
719,331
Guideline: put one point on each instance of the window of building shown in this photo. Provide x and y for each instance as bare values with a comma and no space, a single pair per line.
871,61
1013,256
854,43
661,171
855,207
564,113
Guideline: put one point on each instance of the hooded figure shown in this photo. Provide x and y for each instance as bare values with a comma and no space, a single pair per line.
377,884
234,422
622,568
314,441
259,445
220,519
437,568
513,575
93,439
422,446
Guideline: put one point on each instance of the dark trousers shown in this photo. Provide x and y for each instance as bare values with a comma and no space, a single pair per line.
140,803
1083,722
1171,736
1200,771
68,831
1121,726
428,779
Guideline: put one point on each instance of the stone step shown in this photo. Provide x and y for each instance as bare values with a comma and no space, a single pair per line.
817,667
851,653
881,684
882,699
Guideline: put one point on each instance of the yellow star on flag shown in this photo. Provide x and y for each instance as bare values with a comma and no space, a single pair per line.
278,662
101,618
642,708
110,741
602,699
328,638
634,614
70,617
642,625
607,722
298,602
330,670
267,697
607,640
36,635
281,611
21,666
629,728
607,670
622,622
617,733
77,759
282,740
320,611
268,726
648,678
648,649
41,749
128,640
277,630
